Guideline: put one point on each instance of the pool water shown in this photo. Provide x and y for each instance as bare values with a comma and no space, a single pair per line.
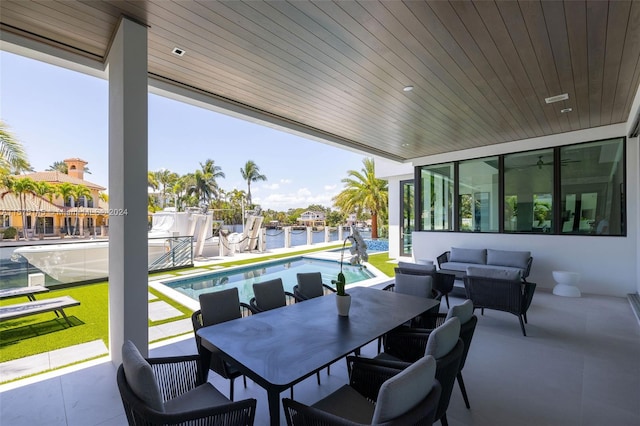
244,278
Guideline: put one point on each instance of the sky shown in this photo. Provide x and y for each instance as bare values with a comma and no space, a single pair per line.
57,113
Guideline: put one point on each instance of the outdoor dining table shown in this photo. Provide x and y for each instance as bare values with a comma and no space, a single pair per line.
281,347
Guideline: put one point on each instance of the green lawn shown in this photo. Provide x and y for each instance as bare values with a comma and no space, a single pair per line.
44,332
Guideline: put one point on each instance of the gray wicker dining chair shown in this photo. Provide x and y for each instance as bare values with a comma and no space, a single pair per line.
401,396
269,295
310,285
216,307
446,346
174,391
409,344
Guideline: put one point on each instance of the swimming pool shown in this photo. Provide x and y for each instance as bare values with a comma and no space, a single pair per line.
244,278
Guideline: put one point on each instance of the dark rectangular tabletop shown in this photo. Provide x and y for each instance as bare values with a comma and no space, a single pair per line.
280,347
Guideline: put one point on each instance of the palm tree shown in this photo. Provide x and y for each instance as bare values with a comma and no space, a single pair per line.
13,158
42,189
236,198
251,173
20,186
166,179
79,192
65,190
211,169
59,166
202,187
364,192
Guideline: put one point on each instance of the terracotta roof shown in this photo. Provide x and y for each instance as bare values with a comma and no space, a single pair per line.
58,177
9,202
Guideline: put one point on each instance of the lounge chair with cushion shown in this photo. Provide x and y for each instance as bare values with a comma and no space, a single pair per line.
501,290
173,390
375,395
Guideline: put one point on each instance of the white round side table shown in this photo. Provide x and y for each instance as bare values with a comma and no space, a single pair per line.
566,283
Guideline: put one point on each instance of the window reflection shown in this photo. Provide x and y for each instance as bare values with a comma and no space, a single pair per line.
528,189
478,195
592,188
437,198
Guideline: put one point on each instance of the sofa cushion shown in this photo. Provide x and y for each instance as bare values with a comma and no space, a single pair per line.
399,394
510,274
424,262
515,259
140,376
416,268
468,255
456,266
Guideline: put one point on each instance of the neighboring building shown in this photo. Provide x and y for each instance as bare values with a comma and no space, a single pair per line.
91,212
311,218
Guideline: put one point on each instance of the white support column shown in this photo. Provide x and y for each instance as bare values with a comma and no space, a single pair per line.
309,235
128,258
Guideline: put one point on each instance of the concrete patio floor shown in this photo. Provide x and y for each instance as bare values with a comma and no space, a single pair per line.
577,366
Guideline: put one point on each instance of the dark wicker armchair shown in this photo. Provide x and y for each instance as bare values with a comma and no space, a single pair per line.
402,394
219,306
181,394
508,295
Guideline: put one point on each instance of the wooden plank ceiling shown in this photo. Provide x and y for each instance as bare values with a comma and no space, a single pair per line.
480,70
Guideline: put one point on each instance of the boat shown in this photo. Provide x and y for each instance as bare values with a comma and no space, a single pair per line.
89,260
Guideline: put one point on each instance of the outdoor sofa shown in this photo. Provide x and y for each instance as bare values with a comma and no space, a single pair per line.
457,260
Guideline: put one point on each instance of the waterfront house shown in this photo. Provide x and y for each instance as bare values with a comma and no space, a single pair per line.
312,218
48,215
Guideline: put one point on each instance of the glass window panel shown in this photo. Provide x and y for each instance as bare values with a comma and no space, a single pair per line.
437,197
528,191
592,188
408,223
478,190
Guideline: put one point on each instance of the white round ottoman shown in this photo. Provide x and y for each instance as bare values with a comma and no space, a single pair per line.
566,283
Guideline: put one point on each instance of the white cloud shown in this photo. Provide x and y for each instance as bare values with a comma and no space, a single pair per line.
272,186
285,181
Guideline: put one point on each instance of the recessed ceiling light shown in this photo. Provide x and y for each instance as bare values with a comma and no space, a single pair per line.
566,110
558,98
177,51
405,145
408,88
